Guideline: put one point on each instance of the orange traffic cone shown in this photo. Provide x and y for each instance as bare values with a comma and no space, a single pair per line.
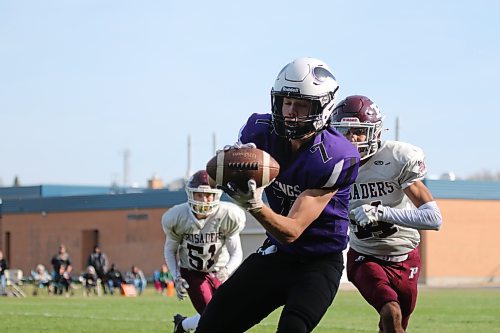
170,289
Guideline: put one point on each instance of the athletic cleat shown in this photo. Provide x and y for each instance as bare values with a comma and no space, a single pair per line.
178,318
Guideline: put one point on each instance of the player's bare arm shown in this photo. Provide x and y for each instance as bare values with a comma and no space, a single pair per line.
418,193
305,210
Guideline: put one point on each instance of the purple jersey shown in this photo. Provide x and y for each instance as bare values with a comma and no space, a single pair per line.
328,161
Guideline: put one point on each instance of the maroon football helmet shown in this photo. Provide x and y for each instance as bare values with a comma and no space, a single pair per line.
199,183
359,113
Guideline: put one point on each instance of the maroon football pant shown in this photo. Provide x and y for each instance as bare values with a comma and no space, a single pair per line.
381,282
202,286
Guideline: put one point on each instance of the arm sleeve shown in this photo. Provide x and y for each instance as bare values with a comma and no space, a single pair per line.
233,245
172,241
426,217
170,253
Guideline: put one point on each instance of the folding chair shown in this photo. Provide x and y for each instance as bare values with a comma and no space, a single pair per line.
14,279
128,290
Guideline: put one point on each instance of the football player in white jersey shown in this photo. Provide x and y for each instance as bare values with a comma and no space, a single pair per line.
202,246
389,203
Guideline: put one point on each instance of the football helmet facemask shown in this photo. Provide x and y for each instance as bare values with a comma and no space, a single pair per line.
309,79
199,183
359,115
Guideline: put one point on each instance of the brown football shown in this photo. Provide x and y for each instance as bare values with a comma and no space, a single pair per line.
240,165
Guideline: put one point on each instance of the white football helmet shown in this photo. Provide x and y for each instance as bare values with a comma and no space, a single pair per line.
199,182
304,78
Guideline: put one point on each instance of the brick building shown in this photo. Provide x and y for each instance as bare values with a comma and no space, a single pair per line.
35,220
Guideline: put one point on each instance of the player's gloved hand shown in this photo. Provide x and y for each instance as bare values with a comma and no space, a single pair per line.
366,215
222,274
239,145
181,287
250,200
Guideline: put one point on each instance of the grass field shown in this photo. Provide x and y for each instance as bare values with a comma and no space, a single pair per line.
438,311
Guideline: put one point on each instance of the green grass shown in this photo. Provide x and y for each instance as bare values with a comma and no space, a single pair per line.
438,311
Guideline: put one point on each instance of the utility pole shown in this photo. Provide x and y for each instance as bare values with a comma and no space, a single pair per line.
188,171
214,144
397,129
126,158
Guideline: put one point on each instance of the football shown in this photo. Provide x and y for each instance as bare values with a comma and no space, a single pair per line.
240,165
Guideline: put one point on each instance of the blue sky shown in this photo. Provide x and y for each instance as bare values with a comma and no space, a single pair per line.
81,81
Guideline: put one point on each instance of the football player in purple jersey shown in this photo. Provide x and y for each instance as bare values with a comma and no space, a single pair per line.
389,203
300,264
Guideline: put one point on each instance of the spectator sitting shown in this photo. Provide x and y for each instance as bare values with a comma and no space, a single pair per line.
62,281
114,278
41,279
90,280
162,279
137,278
61,263
100,262
3,267
156,281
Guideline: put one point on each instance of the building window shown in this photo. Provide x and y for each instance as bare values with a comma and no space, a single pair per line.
137,217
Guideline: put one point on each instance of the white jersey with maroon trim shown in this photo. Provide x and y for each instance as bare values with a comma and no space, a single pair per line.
381,180
201,242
